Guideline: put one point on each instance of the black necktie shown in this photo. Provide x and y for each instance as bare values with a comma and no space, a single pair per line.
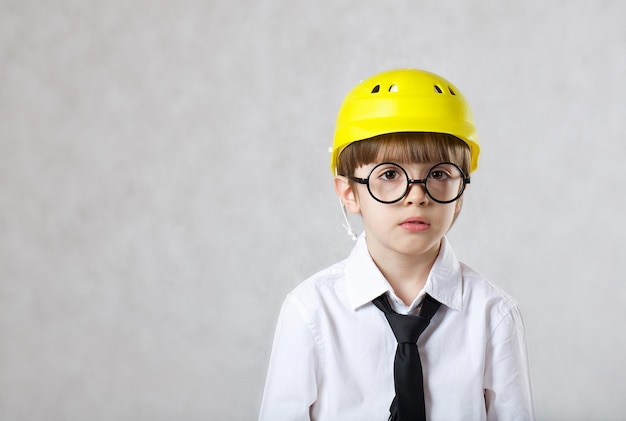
408,404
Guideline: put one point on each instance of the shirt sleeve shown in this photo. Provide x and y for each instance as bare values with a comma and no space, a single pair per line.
507,379
290,387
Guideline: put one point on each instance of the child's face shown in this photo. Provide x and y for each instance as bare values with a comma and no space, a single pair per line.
412,226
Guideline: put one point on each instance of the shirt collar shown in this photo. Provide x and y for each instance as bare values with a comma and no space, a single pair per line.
445,281
365,281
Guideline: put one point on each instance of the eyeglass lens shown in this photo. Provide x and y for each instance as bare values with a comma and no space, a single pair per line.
389,183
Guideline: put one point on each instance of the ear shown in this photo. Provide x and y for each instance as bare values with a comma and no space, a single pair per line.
458,205
346,193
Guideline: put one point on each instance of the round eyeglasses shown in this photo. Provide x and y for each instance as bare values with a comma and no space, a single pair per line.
389,182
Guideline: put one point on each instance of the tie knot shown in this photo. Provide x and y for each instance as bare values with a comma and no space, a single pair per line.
407,329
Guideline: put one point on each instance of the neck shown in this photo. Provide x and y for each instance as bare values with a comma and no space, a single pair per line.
407,274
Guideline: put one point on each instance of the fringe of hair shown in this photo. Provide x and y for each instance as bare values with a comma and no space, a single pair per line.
404,148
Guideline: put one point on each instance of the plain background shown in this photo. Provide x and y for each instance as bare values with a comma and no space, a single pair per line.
164,183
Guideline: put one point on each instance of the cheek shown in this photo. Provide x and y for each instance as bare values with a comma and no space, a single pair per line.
449,213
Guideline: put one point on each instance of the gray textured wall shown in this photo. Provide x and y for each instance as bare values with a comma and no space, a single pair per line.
164,183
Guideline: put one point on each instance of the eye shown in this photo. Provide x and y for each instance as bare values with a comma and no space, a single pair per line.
439,175
390,175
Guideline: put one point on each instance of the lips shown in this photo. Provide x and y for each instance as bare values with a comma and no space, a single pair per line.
415,224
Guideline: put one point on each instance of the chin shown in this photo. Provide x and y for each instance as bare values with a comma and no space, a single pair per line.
419,247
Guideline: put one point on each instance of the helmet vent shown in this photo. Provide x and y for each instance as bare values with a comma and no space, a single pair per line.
438,89
376,89
393,88
451,91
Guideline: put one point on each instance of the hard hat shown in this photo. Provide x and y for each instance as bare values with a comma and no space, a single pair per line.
404,100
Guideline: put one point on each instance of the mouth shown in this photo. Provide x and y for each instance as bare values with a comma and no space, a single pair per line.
415,224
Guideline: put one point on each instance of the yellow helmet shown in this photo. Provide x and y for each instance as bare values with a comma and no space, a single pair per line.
404,100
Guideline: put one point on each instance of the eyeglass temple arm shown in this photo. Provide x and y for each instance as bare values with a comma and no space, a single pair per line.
357,179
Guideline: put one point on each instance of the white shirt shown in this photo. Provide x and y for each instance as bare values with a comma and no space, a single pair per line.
333,352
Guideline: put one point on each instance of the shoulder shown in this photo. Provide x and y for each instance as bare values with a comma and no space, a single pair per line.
326,285
477,283
482,295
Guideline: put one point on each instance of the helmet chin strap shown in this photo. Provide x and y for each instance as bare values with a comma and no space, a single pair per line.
346,224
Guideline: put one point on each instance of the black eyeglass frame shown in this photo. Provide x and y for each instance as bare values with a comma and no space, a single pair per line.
366,181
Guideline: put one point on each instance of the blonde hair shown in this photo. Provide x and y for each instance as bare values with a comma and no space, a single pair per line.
405,147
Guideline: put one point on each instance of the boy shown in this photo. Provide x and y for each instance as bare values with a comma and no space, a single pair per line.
345,345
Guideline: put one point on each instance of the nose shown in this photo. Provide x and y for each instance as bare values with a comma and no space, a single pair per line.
417,193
